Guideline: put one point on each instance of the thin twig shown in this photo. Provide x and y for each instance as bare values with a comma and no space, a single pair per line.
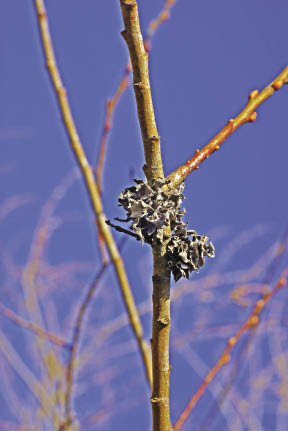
91,186
33,327
163,16
270,272
36,387
110,109
122,230
250,324
75,343
247,115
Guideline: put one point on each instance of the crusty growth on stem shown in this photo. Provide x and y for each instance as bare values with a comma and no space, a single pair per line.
153,170
250,323
139,59
247,115
91,186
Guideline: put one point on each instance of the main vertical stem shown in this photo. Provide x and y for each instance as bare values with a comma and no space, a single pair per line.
160,342
153,169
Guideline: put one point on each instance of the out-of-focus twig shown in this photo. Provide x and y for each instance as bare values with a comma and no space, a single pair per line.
247,115
163,16
250,324
37,389
110,109
33,327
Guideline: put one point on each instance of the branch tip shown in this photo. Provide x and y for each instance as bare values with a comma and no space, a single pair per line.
253,94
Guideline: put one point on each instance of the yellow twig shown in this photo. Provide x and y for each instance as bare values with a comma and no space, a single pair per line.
91,186
37,389
247,115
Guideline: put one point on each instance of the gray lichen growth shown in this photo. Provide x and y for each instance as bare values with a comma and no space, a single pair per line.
151,211
187,254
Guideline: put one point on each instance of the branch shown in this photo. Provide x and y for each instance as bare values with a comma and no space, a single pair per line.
251,323
139,60
247,115
153,169
91,186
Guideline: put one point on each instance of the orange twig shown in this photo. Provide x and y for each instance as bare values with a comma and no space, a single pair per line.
250,323
163,16
110,108
247,115
32,327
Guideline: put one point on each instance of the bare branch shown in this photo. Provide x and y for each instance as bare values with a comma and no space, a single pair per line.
91,186
139,59
247,115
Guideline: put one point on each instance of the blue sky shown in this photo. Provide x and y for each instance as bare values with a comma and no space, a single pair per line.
204,62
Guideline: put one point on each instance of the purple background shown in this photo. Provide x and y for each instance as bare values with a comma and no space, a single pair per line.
204,62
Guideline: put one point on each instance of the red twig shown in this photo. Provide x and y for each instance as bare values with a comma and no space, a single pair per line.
163,16
250,323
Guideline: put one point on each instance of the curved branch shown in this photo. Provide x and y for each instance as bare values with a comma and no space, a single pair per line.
247,115
91,186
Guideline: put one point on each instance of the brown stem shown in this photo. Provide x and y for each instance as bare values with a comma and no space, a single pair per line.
152,169
160,342
139,59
